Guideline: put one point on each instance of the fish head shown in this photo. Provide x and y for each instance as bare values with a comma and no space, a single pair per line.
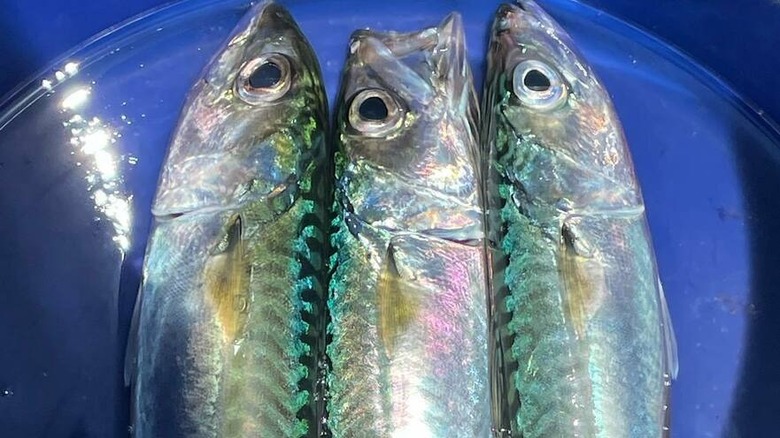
406,123
543,89
251,124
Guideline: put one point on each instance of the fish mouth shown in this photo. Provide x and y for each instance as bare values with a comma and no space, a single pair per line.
416,64
274,17
526,25
400,44
523,15
507,17
529,7
263,21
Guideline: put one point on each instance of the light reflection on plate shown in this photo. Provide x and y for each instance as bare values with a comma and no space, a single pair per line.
94,143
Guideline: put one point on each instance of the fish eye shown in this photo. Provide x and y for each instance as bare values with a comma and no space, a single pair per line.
264,79
375,112
538,85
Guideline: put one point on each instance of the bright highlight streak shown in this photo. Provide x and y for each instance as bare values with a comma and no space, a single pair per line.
76,99
105,165
93,140
71,68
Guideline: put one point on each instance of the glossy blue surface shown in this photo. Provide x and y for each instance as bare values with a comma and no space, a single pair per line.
708,165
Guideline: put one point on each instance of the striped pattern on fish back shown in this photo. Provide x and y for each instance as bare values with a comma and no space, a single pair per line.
355,404
544,357
270,382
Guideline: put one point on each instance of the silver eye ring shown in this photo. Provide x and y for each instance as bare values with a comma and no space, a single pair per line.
538,85
374,112
266,78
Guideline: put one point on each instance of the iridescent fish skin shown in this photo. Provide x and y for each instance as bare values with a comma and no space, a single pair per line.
229,322
584,345
408,288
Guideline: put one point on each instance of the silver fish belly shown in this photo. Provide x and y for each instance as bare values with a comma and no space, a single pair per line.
582,341
229,324
408,289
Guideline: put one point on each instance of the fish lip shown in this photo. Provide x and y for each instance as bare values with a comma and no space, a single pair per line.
518,15
272,15
506,13
528,6
507,9
400,44
259,20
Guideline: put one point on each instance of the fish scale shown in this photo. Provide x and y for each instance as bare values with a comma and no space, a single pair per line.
349,267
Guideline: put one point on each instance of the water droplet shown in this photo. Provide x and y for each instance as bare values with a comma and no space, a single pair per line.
71,68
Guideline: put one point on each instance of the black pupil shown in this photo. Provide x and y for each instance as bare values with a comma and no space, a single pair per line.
373,108
536,81
265,76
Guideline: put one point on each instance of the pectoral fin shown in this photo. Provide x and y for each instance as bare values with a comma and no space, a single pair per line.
226,283
582,271
397,302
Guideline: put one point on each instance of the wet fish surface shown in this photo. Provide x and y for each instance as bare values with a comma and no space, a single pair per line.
228,325
408,296
582,343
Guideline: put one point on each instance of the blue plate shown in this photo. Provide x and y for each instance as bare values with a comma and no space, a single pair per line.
82,145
